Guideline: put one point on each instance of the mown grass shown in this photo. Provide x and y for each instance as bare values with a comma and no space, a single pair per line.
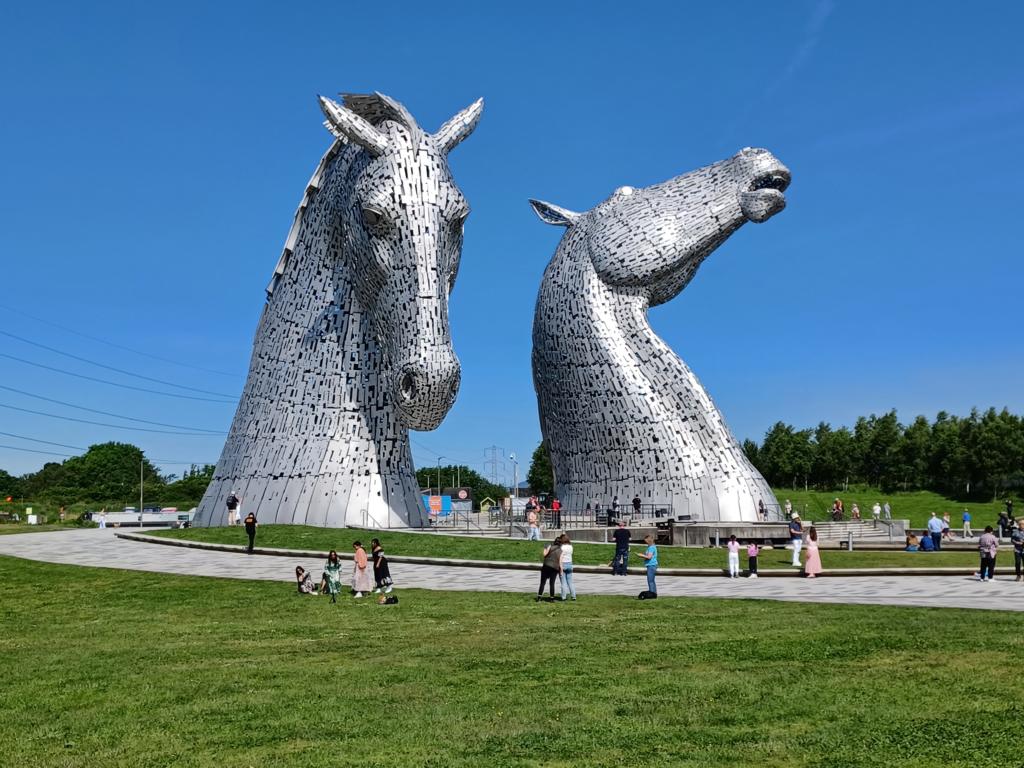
113,668
477,548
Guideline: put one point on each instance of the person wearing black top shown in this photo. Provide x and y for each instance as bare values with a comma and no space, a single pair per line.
621,560
381,571
250,530
636,506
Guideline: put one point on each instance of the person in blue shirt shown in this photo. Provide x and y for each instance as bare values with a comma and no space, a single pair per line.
927,543
966,518
651,556
935,529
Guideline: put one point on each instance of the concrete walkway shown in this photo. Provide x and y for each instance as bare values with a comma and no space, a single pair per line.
100,548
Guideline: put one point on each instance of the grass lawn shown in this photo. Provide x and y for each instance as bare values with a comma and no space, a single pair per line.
476,548
114,668
916,506
70,525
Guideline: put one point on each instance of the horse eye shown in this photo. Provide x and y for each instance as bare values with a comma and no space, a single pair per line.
372,218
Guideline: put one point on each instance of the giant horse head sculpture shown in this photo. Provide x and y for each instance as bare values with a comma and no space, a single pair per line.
620,412
402,225
353,348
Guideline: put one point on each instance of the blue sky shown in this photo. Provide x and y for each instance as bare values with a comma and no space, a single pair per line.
153,155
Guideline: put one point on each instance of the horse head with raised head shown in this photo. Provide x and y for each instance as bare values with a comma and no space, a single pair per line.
620,412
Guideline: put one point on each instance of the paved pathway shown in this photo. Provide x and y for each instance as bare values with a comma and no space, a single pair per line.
100,548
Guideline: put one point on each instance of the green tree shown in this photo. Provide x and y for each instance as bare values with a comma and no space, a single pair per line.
450,474
111,471
833,456
914,450
189,489
541,475
9,485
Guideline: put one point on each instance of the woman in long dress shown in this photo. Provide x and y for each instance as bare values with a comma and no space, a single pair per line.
812,567
332,576
362,580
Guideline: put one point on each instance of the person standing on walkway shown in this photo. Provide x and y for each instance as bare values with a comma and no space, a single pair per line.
549,568
988,546
636,507
331,582
103,518
651,556
876,511
887,511
752,552
360,570
796,537
762,513
935,529
947,532
813,565
532,521
620,561
565,569
556,512
381,570
1017,539
855,511
966,519
250,530
734,557
788,508
232,504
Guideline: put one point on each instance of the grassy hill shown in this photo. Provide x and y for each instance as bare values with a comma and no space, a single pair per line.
915,506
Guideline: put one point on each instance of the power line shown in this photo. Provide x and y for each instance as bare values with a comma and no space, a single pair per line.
103,424
45,442
112,368
106,413
114,383
33,450
80,448
117,346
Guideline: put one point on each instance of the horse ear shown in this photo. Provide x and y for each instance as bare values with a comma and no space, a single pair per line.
553,214
459,127
346,124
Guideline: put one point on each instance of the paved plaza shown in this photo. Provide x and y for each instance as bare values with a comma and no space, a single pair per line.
101,549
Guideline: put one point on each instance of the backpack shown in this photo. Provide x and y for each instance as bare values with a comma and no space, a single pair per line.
391,600
646,595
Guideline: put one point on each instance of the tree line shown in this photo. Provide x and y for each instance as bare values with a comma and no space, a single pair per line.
978,456
107,474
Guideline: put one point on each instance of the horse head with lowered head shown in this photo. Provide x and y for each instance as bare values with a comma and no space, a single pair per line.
353,348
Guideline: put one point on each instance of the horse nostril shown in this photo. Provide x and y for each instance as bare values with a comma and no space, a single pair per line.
407,387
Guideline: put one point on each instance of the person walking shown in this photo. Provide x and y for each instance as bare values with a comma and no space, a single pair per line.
966,519
752,552
734,557
620,561
549,569
855,511
381,571
232,503
636,507
762,512
103,518
935,529
360,571
788,508
988,546
556,512
876,511
796,537
651,556
813,565
887,511
250,530
1017,539
565,568
947,532
331,582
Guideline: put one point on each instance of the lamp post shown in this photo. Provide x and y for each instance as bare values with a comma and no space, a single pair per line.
515,474
439,474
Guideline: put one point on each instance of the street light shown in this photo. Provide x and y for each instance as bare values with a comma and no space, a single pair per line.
515,474
439,474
